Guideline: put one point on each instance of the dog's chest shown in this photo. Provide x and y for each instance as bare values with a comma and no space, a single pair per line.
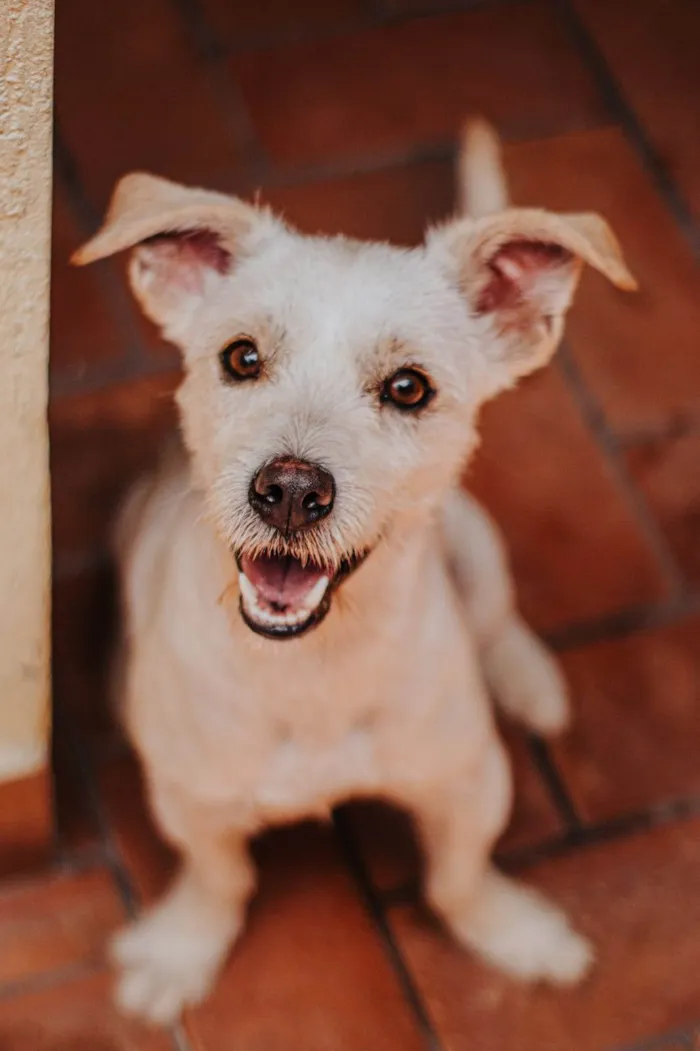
271,735
309,776
272,765
321,733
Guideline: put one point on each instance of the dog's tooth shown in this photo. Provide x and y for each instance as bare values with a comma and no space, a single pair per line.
289,620
250,595
316,594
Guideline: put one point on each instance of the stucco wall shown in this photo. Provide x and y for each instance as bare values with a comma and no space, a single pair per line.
26,48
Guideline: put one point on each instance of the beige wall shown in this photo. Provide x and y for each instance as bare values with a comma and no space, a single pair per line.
26,46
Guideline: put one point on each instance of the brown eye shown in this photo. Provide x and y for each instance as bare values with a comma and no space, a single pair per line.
240,360
408,389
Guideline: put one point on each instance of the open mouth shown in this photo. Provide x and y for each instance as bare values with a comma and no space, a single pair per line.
283,598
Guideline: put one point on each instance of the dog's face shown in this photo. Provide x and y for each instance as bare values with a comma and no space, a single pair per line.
331,387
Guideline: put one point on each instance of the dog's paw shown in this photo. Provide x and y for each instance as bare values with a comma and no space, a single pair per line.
169,959
527,681
524,935
541,701
158,979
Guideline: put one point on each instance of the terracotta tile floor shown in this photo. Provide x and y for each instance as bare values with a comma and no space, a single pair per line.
344,113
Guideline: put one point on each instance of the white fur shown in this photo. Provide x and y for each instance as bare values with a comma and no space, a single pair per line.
388,696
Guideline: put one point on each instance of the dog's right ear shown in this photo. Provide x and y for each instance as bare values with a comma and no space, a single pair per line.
185,240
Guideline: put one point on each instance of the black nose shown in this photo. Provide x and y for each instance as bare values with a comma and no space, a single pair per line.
292,494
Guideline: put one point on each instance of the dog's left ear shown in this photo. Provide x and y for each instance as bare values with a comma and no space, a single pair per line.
519,269
184,241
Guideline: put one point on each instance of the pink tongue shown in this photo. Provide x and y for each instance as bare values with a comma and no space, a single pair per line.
281,580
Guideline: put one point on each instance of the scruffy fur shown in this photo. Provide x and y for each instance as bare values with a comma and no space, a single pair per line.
388,696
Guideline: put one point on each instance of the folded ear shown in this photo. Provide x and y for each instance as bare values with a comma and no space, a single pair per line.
519,270
185,241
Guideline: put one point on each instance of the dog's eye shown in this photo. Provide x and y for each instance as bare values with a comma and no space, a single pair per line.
407,389
240,360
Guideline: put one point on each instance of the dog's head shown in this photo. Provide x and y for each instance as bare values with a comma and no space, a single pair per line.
331,387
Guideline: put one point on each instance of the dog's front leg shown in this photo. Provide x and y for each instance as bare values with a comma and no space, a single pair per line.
170,956
522,675
508,924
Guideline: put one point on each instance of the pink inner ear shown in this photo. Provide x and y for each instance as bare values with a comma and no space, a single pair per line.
515,270
193,249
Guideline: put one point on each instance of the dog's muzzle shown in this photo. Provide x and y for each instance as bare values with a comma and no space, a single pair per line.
283,598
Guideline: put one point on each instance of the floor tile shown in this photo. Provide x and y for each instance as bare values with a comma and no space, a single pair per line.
73,1016
387,842
667,470
310,971
535,817
638,353
636,898
278,18
633,744
574,546
685,1042
426,7
83,331
97,328
390,204
26,823
55,922
84,616
100,442
390,846
131,93
76,827
147,860
419,79
650,48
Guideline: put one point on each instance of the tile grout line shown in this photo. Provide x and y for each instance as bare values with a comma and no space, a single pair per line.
131,366
38,983
677,425
636,135
310,32
373,904
283,175
633,127
587,836
70,565
214,58
66,170
595,419
685,1038
110,852
376,14
554,783
134,355
625,623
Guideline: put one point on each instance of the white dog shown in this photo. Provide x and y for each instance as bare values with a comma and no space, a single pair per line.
313,609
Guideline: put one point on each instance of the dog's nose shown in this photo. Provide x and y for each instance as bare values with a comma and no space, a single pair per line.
292,494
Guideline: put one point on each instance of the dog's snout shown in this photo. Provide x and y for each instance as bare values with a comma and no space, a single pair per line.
292,494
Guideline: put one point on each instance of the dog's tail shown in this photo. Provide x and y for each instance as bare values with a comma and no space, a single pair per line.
482,187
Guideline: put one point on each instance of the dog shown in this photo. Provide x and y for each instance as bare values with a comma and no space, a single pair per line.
314,610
